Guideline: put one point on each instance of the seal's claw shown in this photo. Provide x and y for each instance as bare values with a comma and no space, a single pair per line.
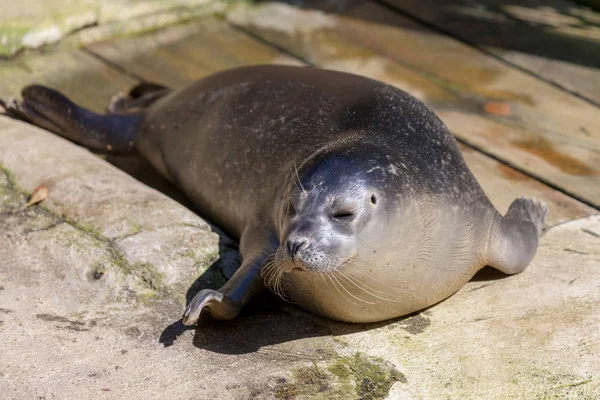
194,309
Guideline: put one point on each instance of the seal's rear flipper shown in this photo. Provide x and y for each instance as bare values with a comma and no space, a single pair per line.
53,111
515,237
139,98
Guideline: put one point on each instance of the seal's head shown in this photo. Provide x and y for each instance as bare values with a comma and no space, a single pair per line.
335,201
337,228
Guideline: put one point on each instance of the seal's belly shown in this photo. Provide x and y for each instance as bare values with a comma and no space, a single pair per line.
359,293
418,264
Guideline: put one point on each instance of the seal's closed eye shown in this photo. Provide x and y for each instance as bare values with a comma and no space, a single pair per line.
290,209
343,216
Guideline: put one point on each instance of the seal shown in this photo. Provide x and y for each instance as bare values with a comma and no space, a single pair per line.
348,196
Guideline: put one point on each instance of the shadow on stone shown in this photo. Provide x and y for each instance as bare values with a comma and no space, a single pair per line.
141,170
267,320
488,274
262,323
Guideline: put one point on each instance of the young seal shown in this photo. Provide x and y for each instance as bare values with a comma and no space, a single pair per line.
349,197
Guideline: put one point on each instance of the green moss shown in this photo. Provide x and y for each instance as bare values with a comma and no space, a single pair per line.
11,35
574,384
339,369
12,198
312,378
134,228
285,390
374,377
143,298
10,181
150,275
340,341
82,226
357,377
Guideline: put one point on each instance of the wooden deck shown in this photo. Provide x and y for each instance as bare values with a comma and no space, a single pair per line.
520,91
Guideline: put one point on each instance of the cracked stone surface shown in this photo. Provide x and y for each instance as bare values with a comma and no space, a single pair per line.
94,279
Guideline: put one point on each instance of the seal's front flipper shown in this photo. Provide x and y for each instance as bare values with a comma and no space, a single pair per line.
228,301
212,301
515,237
53,111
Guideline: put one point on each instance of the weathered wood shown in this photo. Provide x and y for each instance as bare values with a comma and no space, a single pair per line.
526,122
502,183
79,75
184,53
556,40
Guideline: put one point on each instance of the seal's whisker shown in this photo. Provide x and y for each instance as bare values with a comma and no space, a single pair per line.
298,176
338,289
272,275
329,287
273,279
356,283
346,290
266,270
278,278
362,283
375,280
268,274
283,295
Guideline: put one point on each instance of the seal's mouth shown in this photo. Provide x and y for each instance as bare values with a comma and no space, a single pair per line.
280,265
295,268
294,265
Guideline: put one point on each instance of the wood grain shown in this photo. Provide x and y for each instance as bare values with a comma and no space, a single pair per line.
556,40
184,53
547,132
502,183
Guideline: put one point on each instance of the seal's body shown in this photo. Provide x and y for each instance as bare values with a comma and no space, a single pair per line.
349,197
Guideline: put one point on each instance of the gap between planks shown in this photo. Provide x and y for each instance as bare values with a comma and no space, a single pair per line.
163,46
541,134
407,13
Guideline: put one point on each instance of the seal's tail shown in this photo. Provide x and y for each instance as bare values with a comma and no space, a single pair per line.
53,111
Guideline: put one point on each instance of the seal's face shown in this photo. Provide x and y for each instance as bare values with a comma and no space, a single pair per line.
330,205
321,222
331,221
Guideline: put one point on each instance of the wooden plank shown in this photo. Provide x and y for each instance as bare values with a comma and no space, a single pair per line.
505,112
77,74
557,40
183,53
502,183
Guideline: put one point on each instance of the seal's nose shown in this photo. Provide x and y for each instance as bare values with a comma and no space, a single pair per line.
295,246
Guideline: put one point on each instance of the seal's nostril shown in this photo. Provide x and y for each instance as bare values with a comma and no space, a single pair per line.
295,246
